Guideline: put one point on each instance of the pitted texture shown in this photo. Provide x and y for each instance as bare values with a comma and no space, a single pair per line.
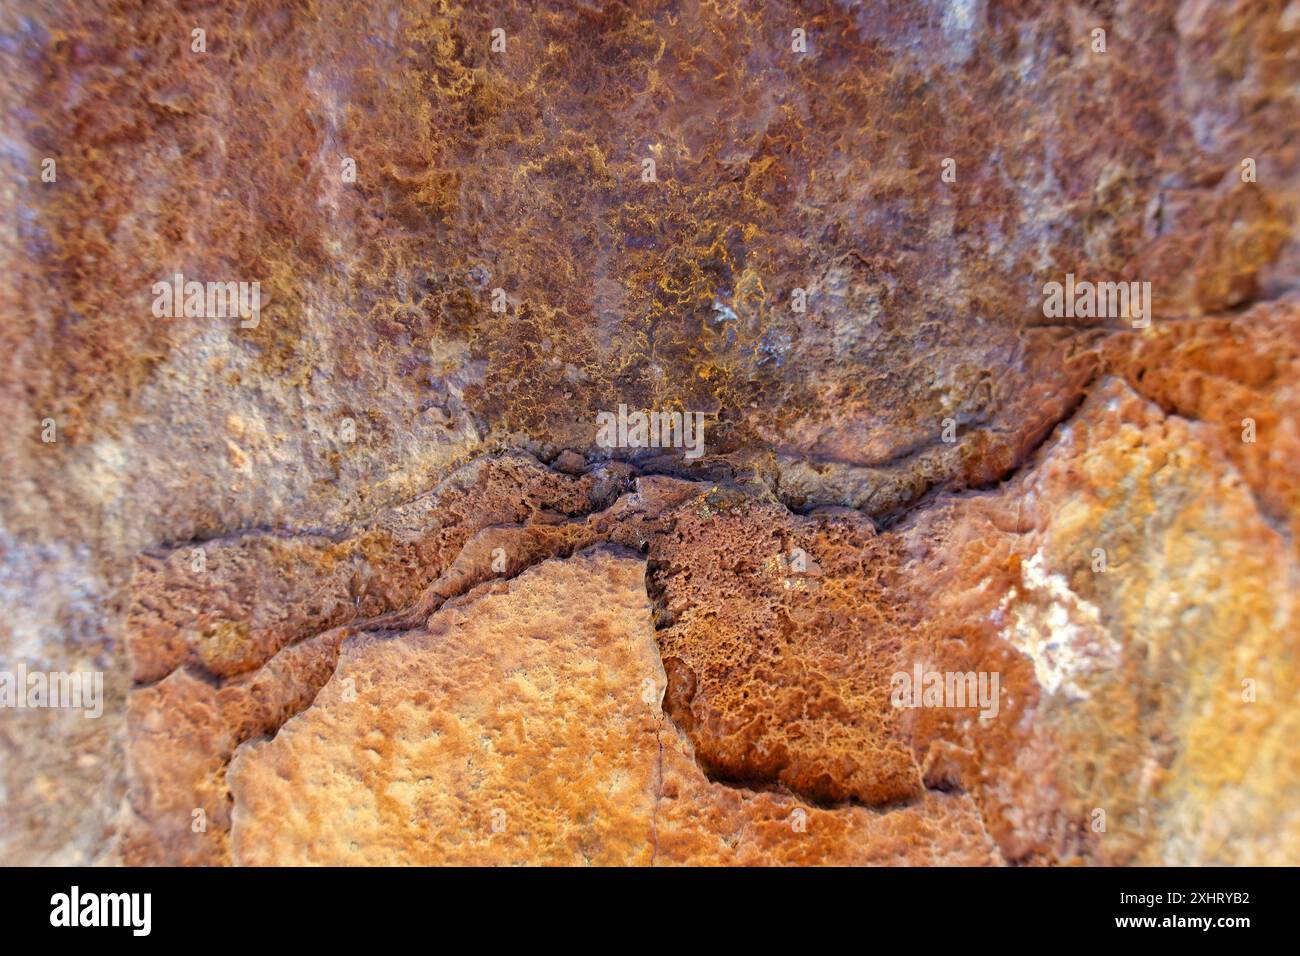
517,730
373,448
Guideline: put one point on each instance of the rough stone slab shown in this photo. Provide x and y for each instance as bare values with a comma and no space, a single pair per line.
518,729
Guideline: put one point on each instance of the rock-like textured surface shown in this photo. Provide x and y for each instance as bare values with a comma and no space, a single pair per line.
516,716
918,467
1122,683
517,728
248,639
1161,689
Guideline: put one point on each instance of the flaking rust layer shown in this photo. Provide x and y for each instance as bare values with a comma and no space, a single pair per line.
365,587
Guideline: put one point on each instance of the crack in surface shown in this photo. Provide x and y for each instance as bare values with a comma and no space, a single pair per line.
396,621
